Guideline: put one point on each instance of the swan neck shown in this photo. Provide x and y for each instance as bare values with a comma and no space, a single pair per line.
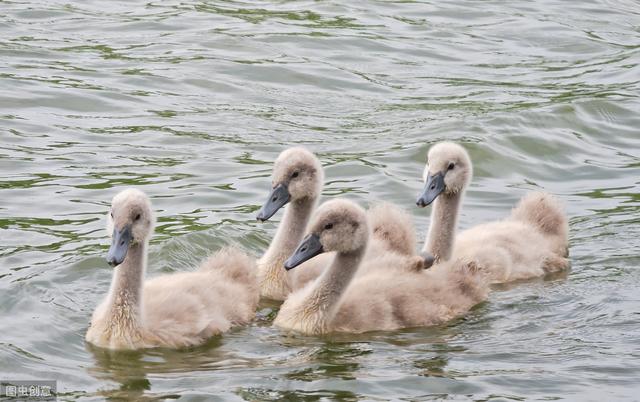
125,295
293,225
289,234
324,299
443,225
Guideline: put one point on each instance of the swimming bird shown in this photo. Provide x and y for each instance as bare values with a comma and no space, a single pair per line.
176,310
296,182
382,299
296,185
531,242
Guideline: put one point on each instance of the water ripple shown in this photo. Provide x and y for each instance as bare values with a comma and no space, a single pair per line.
191,101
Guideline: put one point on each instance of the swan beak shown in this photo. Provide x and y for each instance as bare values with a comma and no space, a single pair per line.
279,196
119,245
308,248
433,188
428,259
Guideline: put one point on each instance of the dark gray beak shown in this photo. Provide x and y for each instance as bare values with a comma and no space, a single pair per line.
428,258
119,246
433,188
308,248
279,196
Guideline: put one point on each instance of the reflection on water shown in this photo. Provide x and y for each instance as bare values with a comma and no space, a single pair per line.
192,102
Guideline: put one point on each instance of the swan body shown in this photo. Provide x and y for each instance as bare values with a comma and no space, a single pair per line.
296,184
176,310
531,242
339,300
521,246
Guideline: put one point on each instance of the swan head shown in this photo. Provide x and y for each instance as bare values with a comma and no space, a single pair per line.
129,221
448,171
337,225
297,177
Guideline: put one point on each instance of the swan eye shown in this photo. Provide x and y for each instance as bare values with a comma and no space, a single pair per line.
111,213
295,174
137,218
451,166
328,226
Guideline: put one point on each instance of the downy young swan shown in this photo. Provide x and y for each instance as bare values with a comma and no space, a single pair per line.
530,243
297,183
177,310
341,301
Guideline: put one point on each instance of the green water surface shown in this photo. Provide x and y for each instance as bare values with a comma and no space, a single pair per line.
191,101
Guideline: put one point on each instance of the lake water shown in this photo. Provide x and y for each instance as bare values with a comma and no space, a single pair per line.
192,101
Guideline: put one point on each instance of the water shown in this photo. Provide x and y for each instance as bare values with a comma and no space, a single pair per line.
192,101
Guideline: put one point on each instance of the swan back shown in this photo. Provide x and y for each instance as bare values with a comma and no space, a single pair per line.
545,213
393,227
